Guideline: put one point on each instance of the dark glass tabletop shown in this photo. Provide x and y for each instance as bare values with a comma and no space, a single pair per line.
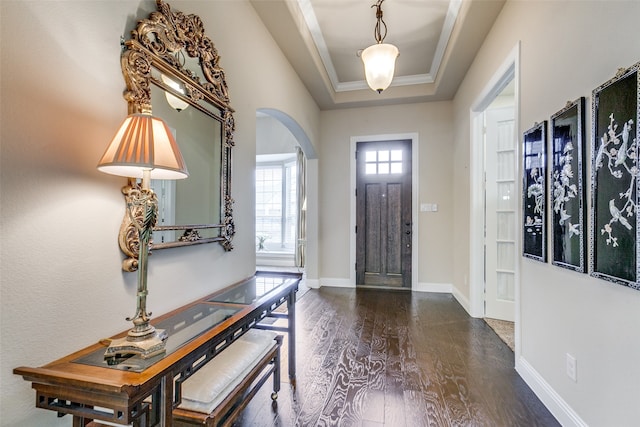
190,323
254,288
181,328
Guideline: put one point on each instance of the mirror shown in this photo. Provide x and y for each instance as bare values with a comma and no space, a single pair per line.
170,60
195,200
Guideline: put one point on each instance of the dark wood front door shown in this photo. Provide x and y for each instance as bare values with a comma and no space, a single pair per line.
383,214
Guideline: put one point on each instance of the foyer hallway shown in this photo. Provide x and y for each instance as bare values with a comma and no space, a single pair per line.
384,358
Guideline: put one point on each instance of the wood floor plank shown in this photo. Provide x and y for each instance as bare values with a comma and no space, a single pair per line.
371,358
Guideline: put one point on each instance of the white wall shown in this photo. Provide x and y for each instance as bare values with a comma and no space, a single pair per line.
568,48
432,122
62,287
272,137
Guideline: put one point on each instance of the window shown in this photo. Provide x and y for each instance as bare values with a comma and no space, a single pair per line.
276,202
383,162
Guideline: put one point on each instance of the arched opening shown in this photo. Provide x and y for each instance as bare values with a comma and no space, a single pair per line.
283,151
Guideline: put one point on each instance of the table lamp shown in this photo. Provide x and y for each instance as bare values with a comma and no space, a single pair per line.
144,148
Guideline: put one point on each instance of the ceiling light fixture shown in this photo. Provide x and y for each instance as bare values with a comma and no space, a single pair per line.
379,59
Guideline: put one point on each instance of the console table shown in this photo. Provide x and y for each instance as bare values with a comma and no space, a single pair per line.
143,392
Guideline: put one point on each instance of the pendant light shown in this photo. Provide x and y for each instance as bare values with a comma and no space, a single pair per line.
379,59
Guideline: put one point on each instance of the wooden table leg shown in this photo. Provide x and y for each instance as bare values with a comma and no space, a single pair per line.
166,404
79,421
291,312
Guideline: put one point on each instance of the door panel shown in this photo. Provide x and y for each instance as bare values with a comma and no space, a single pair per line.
500,216
383,214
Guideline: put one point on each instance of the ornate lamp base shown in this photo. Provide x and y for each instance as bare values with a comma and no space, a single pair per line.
146,346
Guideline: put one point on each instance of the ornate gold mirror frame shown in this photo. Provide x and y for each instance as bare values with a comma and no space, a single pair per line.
159,46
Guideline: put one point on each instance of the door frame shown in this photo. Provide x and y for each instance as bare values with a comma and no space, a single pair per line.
493,115
413,137
509,70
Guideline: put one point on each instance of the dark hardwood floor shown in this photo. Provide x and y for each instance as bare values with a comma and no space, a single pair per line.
395,359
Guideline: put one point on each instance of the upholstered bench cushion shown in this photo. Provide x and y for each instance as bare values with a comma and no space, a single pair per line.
208,387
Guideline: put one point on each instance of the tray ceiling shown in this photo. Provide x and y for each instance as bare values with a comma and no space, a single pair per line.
437,39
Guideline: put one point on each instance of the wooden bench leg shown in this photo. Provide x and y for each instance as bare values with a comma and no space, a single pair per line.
276,370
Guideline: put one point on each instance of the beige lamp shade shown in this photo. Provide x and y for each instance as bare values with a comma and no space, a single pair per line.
144,143
379,65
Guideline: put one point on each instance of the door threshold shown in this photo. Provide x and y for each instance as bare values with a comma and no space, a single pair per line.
383,288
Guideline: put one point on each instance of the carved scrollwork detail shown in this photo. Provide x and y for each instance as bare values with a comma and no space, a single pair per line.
229,229
190,235
136,68
166,33
193,92
229,128
128,237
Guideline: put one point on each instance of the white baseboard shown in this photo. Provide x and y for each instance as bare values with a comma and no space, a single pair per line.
336,283
464,302
275,259
560,409
442,288
312,283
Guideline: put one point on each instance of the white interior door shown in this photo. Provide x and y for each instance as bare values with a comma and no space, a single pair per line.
500,213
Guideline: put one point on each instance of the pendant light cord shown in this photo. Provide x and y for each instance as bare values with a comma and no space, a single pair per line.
380,25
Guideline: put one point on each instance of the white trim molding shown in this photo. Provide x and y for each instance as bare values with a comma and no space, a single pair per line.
560,409
312,283
507,71
440,288
463,300
336,282
311,21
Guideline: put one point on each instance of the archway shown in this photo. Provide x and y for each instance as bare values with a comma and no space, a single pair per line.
280,143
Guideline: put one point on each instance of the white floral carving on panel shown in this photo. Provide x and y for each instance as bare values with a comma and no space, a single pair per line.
618,154
564,189
536,190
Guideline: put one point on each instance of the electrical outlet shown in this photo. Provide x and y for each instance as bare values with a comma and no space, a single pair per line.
572,368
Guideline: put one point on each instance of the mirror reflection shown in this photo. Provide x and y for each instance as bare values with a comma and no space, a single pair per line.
196,200
199,209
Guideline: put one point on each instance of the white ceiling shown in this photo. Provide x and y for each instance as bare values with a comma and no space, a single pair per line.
437,39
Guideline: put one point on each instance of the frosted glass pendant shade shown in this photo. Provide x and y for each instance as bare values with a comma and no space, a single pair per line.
379,65
175,102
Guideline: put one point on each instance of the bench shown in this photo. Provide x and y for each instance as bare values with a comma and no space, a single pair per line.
217,393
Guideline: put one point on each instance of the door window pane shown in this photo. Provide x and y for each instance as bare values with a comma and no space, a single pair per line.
506,226
383,162
396,167
506,196
506,288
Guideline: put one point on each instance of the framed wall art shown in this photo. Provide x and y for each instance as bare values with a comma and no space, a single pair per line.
614,163
534,193
567,176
